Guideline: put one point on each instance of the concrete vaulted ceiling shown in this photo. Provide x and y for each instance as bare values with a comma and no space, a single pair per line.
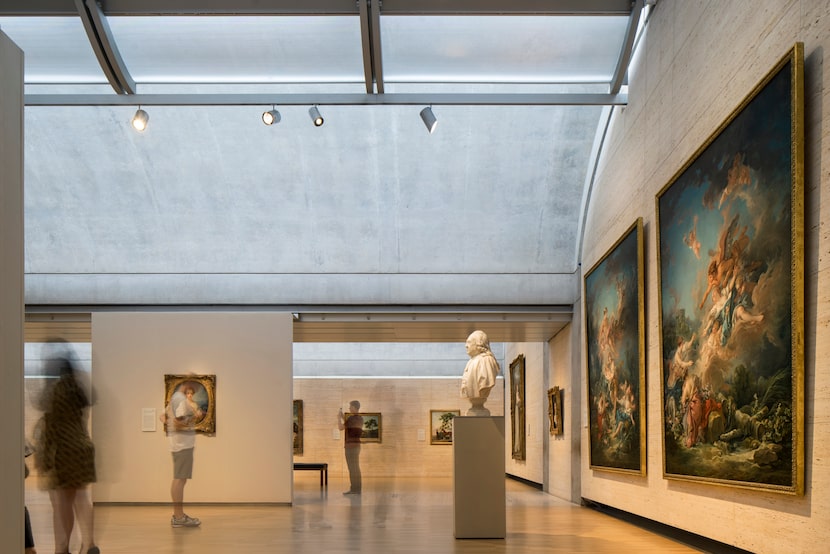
210,207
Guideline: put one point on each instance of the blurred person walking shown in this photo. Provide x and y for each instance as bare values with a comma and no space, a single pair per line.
65,454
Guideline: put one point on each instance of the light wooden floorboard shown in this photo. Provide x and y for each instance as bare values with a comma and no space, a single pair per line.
404,515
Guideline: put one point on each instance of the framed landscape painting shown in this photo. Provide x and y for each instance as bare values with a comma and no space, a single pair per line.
372,427
616,356
730,271
440,425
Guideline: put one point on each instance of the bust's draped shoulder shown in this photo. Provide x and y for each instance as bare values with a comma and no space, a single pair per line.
479,375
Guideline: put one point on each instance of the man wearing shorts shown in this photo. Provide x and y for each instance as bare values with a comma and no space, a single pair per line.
180,416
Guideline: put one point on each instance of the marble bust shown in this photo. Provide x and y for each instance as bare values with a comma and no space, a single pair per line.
479,373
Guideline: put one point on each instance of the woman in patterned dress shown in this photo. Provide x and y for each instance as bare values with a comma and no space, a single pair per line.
66,455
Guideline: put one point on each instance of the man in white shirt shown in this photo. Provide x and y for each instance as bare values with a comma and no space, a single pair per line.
180,416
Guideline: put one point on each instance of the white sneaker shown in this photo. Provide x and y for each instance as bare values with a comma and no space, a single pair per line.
185,521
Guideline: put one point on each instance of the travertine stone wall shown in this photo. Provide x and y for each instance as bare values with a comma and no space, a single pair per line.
404,404
535,398
695,64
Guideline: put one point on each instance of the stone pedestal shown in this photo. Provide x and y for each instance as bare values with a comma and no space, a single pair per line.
479,496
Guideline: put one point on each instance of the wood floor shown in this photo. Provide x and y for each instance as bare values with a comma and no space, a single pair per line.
404,515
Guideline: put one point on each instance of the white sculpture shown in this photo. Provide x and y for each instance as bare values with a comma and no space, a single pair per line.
479,373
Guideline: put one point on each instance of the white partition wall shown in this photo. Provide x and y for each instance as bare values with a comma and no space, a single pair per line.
250,354
11,294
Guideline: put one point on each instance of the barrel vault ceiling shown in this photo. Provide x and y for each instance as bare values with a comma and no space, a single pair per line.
522,91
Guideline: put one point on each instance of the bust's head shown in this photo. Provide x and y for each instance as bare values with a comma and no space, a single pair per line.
477,343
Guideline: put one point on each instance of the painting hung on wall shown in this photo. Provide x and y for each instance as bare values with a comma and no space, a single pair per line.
372,427
555,410
517,406
614,320
440,425
298,427
190,402
730,238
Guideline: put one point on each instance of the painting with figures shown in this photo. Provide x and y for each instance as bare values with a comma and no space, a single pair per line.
730,247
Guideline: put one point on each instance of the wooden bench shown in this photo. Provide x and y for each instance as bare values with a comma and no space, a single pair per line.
321,467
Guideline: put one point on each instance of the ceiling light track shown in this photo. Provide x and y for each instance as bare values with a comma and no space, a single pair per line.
620,99
329,7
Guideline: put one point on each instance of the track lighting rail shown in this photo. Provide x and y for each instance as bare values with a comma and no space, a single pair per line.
395,99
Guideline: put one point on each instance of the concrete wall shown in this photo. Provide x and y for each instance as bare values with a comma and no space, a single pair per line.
404,405
384,359
695,65
11,293
368,209
250,354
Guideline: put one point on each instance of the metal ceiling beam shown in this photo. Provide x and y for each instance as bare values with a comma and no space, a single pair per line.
366,46
38,7
370,41
185,7
509,7
438,99
94,18
377,50
103,44
627,48
325,7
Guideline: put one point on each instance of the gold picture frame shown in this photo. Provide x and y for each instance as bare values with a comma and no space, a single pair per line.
372,426
203,399
615,346
730,247
555,410
517,407
298,427
440,425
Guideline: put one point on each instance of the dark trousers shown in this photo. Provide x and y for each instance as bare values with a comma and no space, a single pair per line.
353,463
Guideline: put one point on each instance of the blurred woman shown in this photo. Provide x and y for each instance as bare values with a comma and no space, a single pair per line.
65,454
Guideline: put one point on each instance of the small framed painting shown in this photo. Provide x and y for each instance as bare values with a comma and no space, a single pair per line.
298,427
190,403
440,426
517,406
555,410
372,426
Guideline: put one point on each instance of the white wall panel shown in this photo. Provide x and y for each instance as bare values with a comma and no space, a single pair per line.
250,354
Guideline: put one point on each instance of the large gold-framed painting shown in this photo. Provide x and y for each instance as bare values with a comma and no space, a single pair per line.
730,272
615,344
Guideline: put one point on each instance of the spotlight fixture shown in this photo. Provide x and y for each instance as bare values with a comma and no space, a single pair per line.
429,119
314,113
271,116
140,119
